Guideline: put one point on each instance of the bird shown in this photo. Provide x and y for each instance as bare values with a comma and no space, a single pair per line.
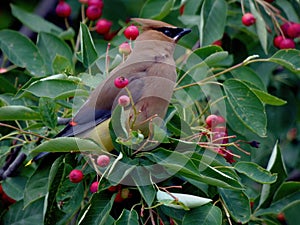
151,73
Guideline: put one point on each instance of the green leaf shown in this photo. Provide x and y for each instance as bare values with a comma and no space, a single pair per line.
62,65
97,211
51,46
204,215
248,75
286,189
289,58
184,201
34,22
260,27
88,50
21,51
267,98
17,214
37,185
156,9
246,105
142,179
18,112
237,203
181,165
128,218
275,165
51,88
56,175
213,15
215,58
48,112
206,51
67,144
255,172
14,187
280,205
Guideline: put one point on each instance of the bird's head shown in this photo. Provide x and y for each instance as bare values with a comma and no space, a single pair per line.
154,29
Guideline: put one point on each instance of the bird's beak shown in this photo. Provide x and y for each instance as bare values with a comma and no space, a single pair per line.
183,32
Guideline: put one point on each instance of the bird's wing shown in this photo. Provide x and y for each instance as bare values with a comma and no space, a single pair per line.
92,114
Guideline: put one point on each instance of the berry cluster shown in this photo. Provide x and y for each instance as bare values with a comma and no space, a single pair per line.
93,12
218,137
76,175
289,31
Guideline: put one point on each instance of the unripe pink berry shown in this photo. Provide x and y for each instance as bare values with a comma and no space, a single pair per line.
125,48
103,160
63,9
3,70
294,30
103,26
124,100
94,187
248,19
214,120
287,43
76,176
93,12
277,40
131,32
121,82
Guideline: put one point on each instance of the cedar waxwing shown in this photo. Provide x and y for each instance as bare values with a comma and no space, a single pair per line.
151,72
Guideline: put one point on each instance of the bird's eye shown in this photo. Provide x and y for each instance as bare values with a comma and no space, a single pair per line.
167,32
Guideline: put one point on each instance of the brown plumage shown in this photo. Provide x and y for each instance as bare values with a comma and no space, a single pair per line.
151,71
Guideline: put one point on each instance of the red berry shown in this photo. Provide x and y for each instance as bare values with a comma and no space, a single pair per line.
103,160
121,82
287,43
103,26
131,32
281,217
110,35
94,187
217,43
6,199
118,197
125,48
113,188
270,1
98,3
293,31
83,1
93,12
284,27
181,9
63,9
214,120
277,40
248,19
76,176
